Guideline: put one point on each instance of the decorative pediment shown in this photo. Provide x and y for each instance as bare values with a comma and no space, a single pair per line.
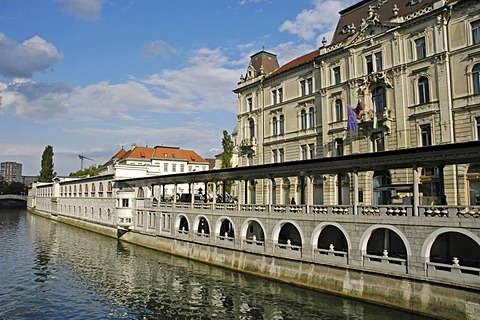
372,80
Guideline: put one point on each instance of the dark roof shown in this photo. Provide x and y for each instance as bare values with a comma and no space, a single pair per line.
264,61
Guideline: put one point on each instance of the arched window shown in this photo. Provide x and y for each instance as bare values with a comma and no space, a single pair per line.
338,110
251,126
379,101
100,189
476,78
311,116
303,119
109,189
282,124
274,126
423,90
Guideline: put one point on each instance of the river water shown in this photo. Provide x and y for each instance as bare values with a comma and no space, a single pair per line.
49,270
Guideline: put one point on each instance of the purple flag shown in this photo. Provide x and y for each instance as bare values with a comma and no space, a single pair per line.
352,119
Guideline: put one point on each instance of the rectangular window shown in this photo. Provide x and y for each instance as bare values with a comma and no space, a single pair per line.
174,167
369,62
124,203
476,32
336,75
280,95
423,93
182,168
311,148
426,133
310,85
274,96
339,111
302,87
250,104
477,122
378,61
274,156
304,152
339,146
281,155
421,49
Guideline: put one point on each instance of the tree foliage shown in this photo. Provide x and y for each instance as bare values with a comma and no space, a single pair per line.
12,187
90,171
46,172
227,154
227,144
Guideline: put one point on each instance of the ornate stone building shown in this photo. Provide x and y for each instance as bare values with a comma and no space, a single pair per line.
397,74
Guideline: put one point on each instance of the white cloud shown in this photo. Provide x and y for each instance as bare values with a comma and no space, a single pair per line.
25,59
322,19
205,85
158,47
85,9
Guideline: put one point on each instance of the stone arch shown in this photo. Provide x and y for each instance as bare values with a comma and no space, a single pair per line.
202,223
225,225
318,230
279,227
247,232
429,242
368,233
140,193
182,223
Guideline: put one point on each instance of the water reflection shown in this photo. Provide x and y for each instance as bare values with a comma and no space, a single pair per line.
72,273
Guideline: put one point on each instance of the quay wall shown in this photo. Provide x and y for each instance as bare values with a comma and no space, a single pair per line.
432,297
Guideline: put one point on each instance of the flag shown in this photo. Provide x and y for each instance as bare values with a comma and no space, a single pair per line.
360,107
352,119
375,122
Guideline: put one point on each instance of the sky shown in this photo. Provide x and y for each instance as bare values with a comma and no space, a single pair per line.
92,76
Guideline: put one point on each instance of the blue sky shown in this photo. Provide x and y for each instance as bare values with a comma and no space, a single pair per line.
91,76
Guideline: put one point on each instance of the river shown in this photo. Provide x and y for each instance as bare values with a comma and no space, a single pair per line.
49,270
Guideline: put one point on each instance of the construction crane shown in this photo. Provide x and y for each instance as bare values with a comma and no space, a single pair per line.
82,157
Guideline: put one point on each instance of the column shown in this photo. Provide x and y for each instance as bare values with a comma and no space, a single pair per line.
309,192
302,190
441,184
415,199
355,192
174,193
214,192
246,191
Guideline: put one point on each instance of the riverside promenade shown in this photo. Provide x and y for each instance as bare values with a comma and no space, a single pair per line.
423,258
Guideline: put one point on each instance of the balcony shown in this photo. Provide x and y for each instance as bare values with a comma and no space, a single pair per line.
248,144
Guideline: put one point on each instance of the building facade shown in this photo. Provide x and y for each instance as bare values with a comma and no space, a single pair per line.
11,171
396,75
141,162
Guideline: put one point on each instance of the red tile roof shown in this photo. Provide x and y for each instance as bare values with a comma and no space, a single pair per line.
296,62
159,153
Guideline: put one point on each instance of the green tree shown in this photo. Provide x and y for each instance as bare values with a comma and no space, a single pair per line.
46,173
227,154
90,171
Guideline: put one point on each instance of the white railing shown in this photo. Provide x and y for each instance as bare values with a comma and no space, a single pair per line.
453,271
426,211
385,262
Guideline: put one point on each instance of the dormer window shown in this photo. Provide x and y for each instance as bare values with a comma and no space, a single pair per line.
165,155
